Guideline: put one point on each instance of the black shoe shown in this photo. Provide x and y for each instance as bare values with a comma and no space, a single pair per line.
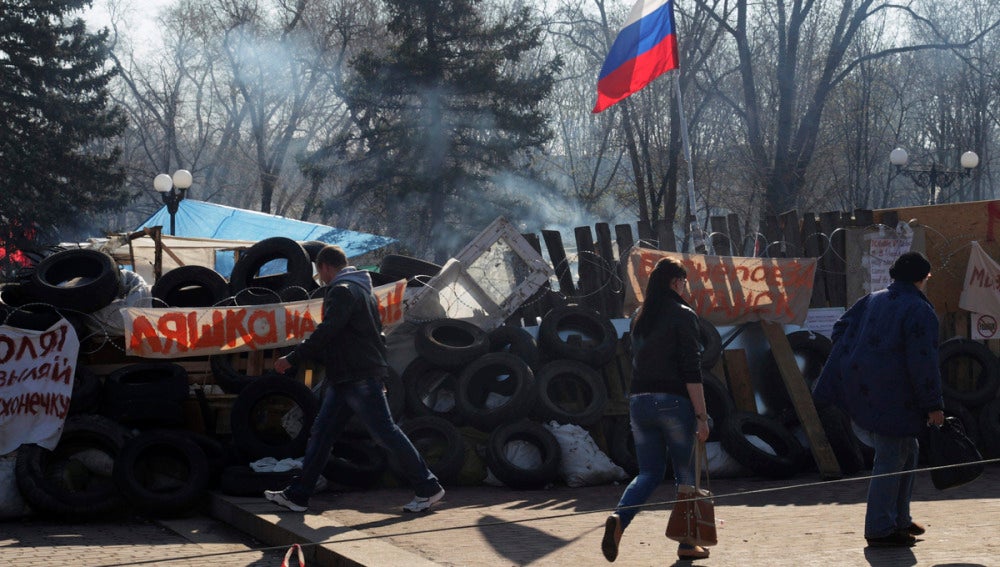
612,536
895,539
915,529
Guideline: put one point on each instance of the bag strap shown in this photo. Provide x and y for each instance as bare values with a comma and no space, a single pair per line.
700,457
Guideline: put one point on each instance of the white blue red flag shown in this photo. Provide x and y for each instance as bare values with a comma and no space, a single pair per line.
646,47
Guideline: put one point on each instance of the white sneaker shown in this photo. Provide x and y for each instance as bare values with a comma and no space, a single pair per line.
278,497
420,504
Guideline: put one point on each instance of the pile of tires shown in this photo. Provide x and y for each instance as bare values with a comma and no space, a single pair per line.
970,380
100,468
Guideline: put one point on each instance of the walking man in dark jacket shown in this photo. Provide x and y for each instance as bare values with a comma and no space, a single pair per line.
349,342
883,371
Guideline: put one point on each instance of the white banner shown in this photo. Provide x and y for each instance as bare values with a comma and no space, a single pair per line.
981,292
181,331
36,384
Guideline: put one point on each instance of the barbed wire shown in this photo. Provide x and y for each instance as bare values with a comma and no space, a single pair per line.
563,515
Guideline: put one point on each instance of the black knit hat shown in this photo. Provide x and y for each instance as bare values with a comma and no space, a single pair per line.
910,267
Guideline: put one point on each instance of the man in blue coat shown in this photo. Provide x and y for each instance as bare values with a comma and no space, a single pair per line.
883,371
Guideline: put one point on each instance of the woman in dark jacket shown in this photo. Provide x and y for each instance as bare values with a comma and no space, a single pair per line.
667,402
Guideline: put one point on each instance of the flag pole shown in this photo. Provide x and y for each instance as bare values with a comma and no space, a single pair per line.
697,234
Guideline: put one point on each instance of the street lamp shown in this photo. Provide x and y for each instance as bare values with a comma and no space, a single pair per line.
932,177
172,190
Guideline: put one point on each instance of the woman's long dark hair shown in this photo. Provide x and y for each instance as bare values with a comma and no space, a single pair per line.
656,293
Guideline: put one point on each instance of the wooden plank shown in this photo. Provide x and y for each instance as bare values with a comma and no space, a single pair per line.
557,253
772,237
665,236
533,241
589,269
833,260
863,217
791,241
722,244
890,219
736,235
802,400
813,246
737,375
611,291
623,236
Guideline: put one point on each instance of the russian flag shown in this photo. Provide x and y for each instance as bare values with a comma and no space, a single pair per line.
645,48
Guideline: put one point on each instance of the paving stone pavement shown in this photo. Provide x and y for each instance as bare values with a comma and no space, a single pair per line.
817,525
187,542
805,522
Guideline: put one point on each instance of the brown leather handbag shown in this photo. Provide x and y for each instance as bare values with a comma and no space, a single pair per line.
692,520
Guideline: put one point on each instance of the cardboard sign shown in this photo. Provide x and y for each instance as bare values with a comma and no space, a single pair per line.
181,332
36,384
728,290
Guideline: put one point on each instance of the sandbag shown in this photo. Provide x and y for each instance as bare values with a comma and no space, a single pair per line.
583,463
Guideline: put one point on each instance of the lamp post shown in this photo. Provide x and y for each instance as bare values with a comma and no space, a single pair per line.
933,176
172,190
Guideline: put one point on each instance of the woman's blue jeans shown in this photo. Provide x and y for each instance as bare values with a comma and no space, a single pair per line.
889,496
662,424
367,399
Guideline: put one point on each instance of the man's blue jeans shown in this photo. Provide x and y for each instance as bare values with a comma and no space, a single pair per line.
889,496
661,424
368,401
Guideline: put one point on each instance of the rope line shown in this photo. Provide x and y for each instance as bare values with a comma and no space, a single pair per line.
662,503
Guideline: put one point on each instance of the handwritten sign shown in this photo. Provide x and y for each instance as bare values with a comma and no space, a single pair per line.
882,253
180,332
981,291
729,290
36,384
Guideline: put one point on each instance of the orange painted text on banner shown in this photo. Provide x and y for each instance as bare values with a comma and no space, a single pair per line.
728,290
182,332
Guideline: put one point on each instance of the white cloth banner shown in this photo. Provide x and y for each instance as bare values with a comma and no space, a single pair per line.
36,384
981,292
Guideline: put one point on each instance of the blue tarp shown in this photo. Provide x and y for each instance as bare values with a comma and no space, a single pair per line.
198,219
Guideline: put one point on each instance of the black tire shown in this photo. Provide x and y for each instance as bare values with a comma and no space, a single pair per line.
621,445
711,343
599,339
191,286
970,373
431,390
162,381
233,381
162,473
87,391
784,464
33,317
570,391
989,428
312,248
811,351
844,444
439,443
379,278
144,413
298,271
257,418
84,280
220,455
74,481
502,374
241,480
517,341
514,475
406,268
357,462
450,343
718,402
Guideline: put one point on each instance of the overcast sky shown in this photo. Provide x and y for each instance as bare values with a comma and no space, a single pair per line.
140,17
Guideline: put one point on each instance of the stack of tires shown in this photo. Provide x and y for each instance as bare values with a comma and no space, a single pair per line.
497,388
970,379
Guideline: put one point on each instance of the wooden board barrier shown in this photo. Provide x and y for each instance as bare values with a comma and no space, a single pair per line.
737,373
802,401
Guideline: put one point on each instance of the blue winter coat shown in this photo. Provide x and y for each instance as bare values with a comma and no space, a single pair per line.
883,369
